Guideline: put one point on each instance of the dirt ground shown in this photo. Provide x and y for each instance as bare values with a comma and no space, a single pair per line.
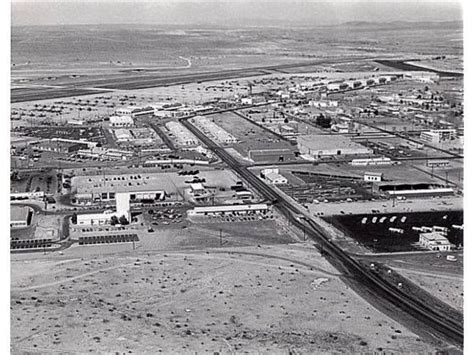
448,288
270,299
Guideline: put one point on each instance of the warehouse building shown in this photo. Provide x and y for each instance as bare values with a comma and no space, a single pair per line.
271,155
56,146
373,177
273,176
20,216
134,111
181,134
230,210
317,146
438,136
435,241
371,161
123,135
94,219
105,188
34,195
438,163
217,133
121,121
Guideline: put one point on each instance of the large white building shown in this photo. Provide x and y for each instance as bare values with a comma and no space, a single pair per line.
91,219
217,133
438,136
230,210
317,146
181,134
121,121
106,187
435,241
371,161
20,216
122,202
273,176
371,177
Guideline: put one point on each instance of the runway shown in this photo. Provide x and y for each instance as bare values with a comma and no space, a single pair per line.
134,81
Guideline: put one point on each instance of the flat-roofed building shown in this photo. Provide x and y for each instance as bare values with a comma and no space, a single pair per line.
218,133
230,209
273,176
59,146
372,177
181,134
438,163
20,216
271,155
371,161
317,146
92,219
121,121
435,241
105,187
438,136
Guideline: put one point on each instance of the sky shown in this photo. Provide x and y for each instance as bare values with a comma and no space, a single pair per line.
228,12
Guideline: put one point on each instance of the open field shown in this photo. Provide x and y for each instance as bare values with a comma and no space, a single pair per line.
447,288
282,299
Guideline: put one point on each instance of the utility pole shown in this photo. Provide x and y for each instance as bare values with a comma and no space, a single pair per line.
304,229
220,237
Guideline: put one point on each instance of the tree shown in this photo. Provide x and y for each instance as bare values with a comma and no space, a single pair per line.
114,220
123,220
74,218
323,121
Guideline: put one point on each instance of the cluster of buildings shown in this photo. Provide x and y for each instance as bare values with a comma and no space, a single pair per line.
218,133
137,136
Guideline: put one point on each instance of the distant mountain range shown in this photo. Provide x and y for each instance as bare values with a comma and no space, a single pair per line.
236,13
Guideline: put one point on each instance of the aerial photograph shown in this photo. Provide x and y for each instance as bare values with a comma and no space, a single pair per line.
236,177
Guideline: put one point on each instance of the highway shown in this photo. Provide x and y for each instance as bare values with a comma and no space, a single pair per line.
445,325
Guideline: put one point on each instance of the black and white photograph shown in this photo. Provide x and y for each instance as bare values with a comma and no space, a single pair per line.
234,177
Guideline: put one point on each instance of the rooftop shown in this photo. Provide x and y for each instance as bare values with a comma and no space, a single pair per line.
19,213
328,141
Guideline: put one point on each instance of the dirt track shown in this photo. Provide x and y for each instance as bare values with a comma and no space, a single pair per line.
240,299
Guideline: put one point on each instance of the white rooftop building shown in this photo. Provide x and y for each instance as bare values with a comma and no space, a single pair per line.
121,121
182,135
435,241
218,133
273,176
